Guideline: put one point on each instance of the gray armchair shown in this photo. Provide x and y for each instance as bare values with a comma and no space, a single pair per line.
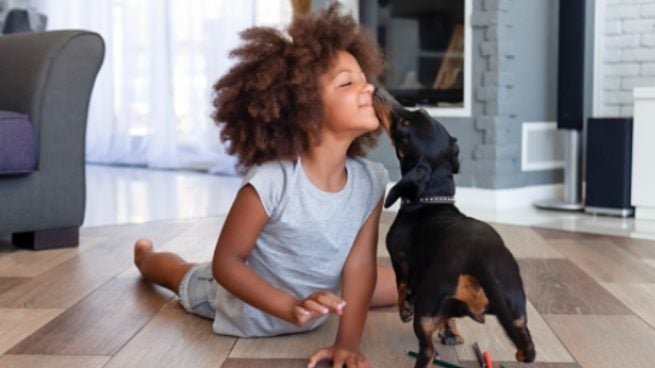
46,80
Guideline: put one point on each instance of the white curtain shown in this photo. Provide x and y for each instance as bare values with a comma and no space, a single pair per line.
151,103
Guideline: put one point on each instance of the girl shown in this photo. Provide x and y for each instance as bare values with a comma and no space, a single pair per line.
297,111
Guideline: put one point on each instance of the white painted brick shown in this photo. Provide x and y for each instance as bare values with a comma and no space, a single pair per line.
607,110
611,2
648,40
622,41
622,11
648,11
612,56
647,69
640,54
617,98
626,110
633,1
639,26
613,27
627,84
631,69
612,83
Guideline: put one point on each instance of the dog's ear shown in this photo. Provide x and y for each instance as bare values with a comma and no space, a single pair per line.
410,184
454,154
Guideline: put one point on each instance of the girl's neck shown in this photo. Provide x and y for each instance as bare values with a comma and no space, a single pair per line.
325,166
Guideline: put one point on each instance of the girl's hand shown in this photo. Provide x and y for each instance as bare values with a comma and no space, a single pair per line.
340,357
316,305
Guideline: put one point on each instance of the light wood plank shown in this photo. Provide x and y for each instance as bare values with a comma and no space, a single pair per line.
386,219
28,263
174,338
471,364
52,361
387,340
299,346
640,248
69,282
17,324
268,363
552,234
491,337
524,242
606,341
604,261
100,324
557,286
638,297
650,262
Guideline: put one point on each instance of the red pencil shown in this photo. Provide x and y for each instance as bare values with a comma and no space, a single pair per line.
487,359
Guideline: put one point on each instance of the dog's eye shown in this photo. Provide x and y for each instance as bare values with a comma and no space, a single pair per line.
405,123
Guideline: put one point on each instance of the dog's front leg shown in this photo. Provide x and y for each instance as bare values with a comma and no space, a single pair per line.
405,294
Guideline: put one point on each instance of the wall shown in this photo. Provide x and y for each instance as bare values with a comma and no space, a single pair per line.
627,53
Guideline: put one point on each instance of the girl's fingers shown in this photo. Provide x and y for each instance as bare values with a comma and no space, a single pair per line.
333,302
315,307
318,356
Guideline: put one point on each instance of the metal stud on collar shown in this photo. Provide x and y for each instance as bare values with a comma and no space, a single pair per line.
433,199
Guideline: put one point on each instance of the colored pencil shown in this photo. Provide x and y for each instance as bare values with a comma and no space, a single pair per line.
487,360
478,355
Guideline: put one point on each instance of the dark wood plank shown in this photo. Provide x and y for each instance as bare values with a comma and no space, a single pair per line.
557,286
101,323
7,283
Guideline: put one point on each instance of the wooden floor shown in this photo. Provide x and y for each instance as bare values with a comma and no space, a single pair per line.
591,304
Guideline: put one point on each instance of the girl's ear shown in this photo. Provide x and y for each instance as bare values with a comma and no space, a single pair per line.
410,185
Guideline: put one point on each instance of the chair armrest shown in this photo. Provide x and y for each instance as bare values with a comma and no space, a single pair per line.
49,76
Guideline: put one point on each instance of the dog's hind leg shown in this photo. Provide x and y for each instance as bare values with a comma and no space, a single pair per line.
449,334
525,347
424,328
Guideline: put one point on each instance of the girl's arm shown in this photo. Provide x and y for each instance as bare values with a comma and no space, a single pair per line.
359,276
243,224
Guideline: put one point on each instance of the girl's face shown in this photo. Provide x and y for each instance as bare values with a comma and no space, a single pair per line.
347,98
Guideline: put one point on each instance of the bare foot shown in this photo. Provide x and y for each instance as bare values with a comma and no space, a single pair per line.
142,247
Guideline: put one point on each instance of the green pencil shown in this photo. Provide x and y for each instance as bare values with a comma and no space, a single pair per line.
436,361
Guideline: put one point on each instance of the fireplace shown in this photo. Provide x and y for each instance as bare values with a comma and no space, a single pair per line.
423,42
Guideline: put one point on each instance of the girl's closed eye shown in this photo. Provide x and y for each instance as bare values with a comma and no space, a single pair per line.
345,84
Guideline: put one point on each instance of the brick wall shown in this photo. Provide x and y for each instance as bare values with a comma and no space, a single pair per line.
627,54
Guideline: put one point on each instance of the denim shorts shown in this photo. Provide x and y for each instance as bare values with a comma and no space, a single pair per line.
197,289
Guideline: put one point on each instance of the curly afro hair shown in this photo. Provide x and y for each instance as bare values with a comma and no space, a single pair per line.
268,105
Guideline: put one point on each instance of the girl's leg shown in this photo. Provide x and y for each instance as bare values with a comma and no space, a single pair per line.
385,293
162,268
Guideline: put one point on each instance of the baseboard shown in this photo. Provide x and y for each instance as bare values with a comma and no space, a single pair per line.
499,199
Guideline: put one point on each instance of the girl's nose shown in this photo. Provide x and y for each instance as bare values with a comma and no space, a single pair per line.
369,88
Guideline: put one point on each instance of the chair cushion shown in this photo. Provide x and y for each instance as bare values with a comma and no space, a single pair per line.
17,148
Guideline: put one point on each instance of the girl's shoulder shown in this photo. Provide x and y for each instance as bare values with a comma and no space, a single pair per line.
375,170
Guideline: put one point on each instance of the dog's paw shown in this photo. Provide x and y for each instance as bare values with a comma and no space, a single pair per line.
449,338
406,311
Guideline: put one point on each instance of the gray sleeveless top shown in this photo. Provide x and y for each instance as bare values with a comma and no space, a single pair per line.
304,245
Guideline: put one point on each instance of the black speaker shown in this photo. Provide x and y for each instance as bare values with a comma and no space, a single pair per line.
609,166
570,64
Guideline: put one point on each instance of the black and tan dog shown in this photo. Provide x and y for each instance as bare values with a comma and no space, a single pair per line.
447,264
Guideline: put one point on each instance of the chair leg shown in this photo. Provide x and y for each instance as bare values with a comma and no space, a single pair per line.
47,239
